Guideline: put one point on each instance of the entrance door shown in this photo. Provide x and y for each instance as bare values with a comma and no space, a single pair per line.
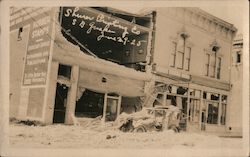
60,103
203,116
194,114
203,120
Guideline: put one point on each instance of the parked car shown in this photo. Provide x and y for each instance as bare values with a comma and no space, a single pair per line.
151,119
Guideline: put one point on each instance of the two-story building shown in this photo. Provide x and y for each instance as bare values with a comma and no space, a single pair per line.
71,61
191,60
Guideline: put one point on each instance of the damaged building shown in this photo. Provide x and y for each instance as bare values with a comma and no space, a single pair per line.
87,62
82,62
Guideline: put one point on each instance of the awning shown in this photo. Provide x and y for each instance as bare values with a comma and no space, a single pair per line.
98,74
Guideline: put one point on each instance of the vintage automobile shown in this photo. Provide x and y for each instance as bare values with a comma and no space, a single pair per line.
151,119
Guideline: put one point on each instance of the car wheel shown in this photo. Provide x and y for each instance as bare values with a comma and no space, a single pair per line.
140,128
174,128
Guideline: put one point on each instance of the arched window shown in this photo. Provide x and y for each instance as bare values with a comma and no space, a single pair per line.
213,61
181,52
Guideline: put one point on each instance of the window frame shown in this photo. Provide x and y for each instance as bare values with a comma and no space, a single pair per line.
213,69
173,53
180,54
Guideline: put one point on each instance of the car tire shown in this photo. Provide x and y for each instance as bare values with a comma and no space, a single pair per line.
174,128
140,129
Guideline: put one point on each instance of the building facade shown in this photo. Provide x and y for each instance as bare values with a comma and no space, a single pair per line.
90,62
192,59
72,61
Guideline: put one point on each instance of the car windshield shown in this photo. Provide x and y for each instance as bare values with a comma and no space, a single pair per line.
159,113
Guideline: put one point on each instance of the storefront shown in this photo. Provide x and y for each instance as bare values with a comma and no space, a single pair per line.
82,62
204,108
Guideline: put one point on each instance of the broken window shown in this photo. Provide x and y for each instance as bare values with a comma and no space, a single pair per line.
90,104
159,100
215,97
131,104
19,35
64,71
182,91
171,100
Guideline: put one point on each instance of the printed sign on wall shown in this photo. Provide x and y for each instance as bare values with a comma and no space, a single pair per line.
38,50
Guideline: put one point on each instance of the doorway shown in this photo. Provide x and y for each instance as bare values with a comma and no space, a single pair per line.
60,103
203,120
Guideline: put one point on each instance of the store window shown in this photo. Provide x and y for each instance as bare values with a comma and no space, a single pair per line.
158,101
171,100
212,113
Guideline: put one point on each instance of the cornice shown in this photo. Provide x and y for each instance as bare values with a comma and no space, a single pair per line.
203,21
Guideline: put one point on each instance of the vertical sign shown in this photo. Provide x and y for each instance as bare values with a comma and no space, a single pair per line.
38,49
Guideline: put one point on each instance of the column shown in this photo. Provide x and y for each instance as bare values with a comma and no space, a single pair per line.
201,106
51,94
219,111
72,94
188,104
104,108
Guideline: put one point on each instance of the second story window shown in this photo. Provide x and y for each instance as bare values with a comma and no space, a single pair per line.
19,35
180,53
173,53
213,65
213,62
187,59
238,57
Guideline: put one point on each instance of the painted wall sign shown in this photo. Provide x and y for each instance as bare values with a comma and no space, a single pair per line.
89,21
20,17
38,49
